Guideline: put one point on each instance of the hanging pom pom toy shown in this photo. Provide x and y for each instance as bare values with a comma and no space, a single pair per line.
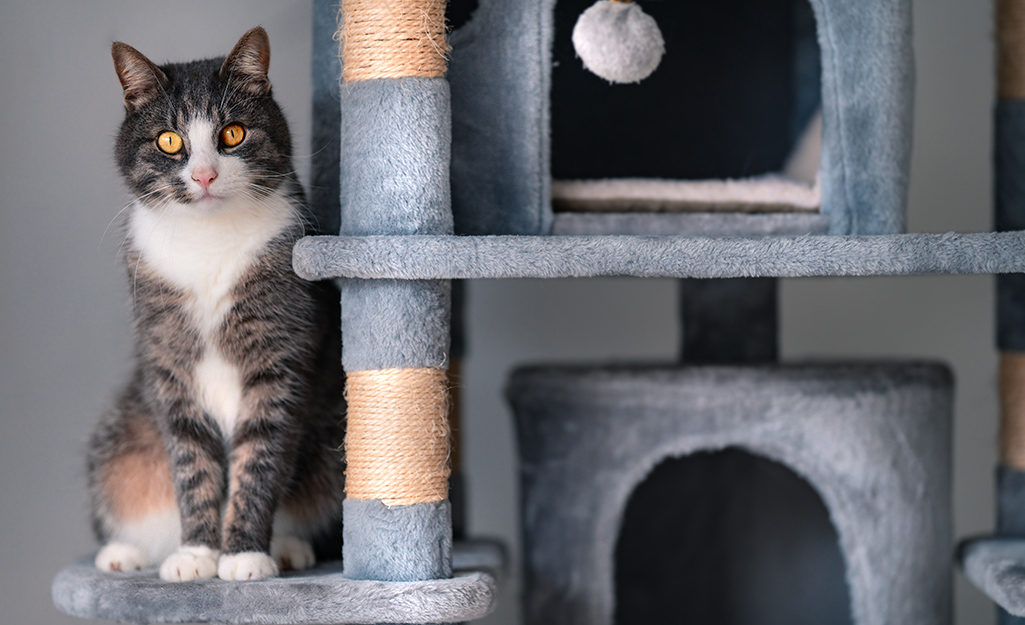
618,41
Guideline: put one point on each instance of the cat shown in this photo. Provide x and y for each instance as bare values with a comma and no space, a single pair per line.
222,455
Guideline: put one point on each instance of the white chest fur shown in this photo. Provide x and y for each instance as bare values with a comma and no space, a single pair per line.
205,255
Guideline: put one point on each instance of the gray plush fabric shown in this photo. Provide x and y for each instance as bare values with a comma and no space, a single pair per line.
397,544
1010,502
1010,525
433,257
395,324
872,439
690,224
395,157
867,105
501,77
321,595
394,180
997,567
500,80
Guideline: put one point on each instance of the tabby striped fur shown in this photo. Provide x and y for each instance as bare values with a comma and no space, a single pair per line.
222,455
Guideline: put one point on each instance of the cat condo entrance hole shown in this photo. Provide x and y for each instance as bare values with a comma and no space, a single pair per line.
718,127
729,538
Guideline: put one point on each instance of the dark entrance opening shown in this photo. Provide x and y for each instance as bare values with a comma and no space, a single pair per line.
728,538
723,103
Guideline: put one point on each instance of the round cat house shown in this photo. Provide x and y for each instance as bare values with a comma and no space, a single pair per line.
873,440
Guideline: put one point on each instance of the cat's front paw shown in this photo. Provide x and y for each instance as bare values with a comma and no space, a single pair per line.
291,553
121,557
246,565
189,563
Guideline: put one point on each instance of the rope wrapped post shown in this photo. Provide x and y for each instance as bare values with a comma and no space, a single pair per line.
395,153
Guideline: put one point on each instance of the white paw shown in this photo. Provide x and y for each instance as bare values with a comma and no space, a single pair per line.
292,553
189,563
246,565
121,557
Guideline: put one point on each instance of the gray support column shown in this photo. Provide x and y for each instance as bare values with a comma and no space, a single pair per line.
1009,198
394,180
729,321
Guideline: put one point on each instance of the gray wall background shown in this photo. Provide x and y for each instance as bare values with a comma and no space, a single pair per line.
64,338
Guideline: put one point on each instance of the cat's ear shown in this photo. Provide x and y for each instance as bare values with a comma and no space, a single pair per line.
249,61
140,78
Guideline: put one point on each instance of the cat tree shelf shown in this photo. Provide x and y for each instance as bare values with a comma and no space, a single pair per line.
996,565
426,257
320,595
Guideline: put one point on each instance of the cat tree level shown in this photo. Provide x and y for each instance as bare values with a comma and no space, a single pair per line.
501,78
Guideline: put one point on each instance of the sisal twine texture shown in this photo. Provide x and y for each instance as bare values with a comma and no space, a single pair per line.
1012,409
397,436
392,39
1010,49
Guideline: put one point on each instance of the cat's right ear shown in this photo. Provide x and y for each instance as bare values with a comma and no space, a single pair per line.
140,78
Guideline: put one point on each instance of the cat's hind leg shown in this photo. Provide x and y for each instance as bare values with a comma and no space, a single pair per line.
118,556
135,513
139,543
292,553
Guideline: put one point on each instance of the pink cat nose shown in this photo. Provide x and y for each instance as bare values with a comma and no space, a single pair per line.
204,176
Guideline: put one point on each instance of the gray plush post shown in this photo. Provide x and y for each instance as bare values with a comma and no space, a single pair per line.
729,321
394,180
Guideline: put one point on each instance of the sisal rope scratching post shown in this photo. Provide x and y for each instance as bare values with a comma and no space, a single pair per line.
392,39
397,436
1012,409
1010,49
395,155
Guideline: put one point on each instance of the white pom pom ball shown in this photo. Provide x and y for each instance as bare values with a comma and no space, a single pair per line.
618,41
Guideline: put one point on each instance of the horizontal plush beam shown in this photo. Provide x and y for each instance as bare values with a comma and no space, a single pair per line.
427,257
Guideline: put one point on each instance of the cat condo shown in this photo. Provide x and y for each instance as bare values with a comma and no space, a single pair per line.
772,141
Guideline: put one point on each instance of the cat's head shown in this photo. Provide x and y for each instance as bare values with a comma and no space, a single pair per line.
205,133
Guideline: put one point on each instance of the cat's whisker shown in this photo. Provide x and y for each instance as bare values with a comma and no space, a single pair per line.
162,208
128,205
134,203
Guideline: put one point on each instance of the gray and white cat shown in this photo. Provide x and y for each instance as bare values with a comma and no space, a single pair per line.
222,456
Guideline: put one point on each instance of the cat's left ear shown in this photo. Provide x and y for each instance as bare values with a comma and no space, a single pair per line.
249,61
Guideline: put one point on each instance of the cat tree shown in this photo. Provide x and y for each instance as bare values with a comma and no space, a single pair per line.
514,166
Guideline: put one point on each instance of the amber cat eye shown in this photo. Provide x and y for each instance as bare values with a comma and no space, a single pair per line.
232,135
169,142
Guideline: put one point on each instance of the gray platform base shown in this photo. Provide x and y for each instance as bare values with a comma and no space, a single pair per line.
996,565
321,595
